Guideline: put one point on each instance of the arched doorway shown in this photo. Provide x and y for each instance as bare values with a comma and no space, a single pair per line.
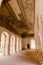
12,44
4,42
18,44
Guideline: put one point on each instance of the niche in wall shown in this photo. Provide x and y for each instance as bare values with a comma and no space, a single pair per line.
28,46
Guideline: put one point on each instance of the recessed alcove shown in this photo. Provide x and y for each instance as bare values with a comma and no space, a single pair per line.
28,46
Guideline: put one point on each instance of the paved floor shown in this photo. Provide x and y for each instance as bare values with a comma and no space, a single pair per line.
26,57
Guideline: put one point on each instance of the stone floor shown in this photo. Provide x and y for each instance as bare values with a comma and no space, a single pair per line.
26,57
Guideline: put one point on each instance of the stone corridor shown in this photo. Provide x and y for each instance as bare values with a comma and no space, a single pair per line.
26,57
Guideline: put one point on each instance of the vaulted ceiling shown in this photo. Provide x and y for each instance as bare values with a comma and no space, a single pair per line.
18,16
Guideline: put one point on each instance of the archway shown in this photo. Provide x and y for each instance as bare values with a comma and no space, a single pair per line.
12,44
18,44
4,42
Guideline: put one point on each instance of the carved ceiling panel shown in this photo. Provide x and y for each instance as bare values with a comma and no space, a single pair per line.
28,9
9,20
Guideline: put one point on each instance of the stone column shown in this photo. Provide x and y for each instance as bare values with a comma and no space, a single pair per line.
0,40
4,45
15,44
38,26
9,46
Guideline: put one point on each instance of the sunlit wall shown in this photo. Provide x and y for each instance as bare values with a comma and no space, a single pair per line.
32,44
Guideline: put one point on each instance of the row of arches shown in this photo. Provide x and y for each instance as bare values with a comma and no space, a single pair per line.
9,45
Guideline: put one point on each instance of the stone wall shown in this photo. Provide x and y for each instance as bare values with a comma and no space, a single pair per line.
7,50
39,25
